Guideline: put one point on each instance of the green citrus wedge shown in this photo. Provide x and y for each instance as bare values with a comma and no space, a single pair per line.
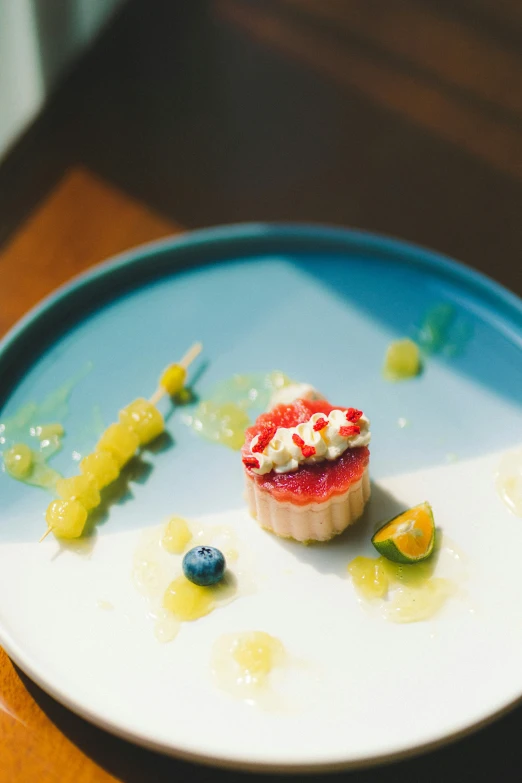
408,538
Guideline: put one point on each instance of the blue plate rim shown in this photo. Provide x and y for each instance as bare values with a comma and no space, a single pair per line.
233,237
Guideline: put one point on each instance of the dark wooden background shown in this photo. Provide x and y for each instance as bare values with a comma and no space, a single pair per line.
398,116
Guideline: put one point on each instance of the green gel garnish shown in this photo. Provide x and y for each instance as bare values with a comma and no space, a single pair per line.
34,434
443,332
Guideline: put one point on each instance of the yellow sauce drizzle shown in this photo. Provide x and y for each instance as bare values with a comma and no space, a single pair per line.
255,654
166,626
187,601
404,593
223,417
177,536
29,466
224,424
508,481
33,434
242,664
414,604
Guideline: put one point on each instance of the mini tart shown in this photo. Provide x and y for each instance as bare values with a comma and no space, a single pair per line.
316,501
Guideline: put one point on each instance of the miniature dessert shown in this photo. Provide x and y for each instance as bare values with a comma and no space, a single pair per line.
306,468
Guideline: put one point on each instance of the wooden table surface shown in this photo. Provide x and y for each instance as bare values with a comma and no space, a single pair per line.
403,117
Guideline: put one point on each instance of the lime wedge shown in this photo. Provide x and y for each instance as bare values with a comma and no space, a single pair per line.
408,538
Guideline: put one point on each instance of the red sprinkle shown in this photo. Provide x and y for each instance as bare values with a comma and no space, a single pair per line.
297,440
347,432
306,451
250,462
353,415
320,424
265,436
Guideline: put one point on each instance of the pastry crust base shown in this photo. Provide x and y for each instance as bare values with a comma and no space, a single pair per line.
311,522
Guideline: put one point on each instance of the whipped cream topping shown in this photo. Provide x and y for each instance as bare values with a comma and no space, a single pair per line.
322,437
294,391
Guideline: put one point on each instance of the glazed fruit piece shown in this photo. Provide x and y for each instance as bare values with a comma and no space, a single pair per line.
402,360
66,518
81,488
144,419
18,461
102,466
173,379
119,441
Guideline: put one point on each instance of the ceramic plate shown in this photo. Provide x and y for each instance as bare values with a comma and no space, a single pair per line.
321,305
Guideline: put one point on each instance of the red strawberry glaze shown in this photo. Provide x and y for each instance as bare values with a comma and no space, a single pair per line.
310,483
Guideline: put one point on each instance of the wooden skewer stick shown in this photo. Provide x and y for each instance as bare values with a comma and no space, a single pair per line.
160,392
191,354
44,535
185,362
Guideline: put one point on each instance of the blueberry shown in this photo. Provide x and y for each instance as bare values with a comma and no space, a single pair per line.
204,565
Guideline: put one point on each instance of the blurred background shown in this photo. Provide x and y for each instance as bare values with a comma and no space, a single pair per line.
398,116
